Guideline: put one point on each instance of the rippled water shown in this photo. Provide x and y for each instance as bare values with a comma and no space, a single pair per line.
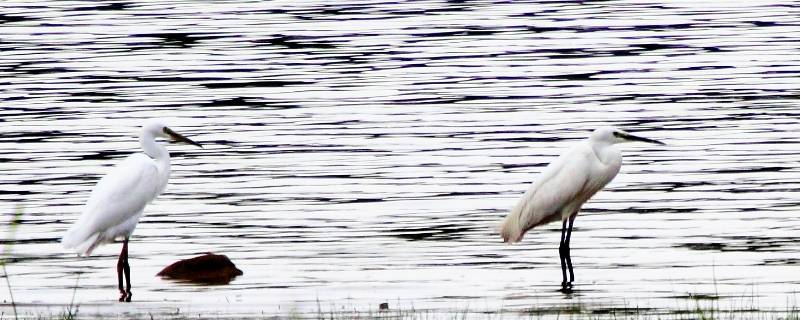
359,153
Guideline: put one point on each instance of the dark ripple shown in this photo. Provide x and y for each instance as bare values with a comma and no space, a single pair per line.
445,232
105,7
744,243
297,42
262,83
6,18
179,39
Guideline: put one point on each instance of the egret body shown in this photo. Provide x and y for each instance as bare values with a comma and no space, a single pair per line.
118,200
564,186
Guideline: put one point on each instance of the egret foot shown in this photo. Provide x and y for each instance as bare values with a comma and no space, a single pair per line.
566,287
128,297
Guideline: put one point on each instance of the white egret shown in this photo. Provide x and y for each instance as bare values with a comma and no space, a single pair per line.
117,201
564,186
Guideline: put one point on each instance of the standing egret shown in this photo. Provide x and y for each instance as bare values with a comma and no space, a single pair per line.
117,201
564,186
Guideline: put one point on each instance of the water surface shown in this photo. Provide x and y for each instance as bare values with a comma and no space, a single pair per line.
363,152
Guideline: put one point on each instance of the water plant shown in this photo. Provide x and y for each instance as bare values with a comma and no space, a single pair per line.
7,252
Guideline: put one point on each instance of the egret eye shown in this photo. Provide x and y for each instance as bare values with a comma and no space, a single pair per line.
617,134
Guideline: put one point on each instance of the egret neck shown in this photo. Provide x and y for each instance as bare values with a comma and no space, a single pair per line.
605,150
157,152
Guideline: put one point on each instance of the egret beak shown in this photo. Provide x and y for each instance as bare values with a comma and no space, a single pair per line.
178,137
630,137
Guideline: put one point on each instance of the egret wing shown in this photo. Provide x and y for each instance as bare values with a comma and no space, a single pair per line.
115,203
560,188
556,189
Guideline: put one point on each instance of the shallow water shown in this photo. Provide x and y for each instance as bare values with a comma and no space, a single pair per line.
363,152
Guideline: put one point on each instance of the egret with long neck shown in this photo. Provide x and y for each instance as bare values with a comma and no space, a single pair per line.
119,198
564,186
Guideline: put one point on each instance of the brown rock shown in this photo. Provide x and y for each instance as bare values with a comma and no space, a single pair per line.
207,269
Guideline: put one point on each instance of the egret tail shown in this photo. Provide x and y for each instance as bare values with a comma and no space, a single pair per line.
79,241
522,218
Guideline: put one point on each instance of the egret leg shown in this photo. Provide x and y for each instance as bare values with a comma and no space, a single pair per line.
562,254
127,269
568,254
120,267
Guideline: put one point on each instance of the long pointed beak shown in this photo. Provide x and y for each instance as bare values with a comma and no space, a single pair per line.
628,136
180,138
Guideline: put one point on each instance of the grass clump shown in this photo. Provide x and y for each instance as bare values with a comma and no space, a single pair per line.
695,310
71,311
7,252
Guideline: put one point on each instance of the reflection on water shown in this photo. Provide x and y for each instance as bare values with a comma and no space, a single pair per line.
360,153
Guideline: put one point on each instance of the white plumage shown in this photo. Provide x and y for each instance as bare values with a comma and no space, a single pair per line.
558,193
562,188
116,204
119,198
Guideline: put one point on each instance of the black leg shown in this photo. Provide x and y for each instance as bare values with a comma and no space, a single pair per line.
562,254
127,269
120,267
568,254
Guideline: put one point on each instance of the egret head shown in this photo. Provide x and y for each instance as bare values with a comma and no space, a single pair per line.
613,135
158,129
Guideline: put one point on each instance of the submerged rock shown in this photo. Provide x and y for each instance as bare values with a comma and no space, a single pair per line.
207,269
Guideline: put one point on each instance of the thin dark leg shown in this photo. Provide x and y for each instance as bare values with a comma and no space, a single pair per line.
120,267
562,254
569,255
127,269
